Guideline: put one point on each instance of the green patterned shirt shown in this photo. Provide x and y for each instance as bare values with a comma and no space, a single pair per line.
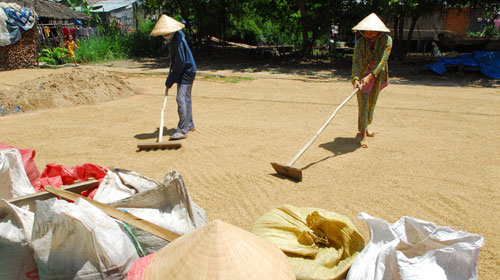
364,55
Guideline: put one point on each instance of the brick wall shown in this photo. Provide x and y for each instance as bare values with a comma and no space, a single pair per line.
457,20
21,54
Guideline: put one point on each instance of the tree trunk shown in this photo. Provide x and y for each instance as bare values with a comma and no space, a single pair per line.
306,46
223,20
401,34
396,34
414,20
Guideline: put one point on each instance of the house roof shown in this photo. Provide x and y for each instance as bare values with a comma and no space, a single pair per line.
49,9
111,5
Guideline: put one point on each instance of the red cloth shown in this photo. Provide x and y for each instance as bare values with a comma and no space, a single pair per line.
28,158
73,32
137,269
58,175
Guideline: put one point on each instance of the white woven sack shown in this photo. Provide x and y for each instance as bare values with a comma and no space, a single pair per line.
417,250
14,181
120,184
79,241
169,205
16,254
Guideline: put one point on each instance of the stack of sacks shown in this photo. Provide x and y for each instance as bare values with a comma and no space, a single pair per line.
79,241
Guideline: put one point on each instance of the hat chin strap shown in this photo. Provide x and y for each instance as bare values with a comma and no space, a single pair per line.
169,37
379,34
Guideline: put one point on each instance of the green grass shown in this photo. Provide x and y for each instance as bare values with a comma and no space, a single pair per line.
226,79
102,48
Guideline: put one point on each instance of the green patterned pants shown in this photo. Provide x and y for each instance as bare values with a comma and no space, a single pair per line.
366,106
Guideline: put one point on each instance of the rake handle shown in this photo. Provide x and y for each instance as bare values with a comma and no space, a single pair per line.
160,133
297,156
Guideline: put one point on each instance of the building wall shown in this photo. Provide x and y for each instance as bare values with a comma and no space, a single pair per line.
19,55
457,21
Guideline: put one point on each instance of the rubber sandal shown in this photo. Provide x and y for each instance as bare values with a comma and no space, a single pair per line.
177,136
192,129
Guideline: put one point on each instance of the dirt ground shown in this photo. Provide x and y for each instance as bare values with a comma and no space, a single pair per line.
435,155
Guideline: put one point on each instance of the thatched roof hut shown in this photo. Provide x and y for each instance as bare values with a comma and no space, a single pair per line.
49,9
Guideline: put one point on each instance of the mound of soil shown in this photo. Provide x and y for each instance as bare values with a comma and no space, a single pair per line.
68,87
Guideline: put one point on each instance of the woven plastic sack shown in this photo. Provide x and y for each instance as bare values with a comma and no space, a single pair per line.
119,184
79,241
13,179
28,159
16,254
57,175
320,244
417,250
169,205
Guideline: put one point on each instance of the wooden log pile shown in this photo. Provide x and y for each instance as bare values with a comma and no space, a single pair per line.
19,55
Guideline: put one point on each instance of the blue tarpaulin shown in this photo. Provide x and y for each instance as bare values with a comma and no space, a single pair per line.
487,61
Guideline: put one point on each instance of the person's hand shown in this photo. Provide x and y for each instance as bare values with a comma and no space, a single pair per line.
366,80
356,84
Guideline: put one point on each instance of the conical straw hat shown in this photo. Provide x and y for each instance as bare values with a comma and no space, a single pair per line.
371,23
219,251
166,25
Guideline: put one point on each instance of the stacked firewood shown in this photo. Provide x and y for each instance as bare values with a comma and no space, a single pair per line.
21,54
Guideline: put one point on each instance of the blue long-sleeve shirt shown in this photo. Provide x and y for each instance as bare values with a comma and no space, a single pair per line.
182,65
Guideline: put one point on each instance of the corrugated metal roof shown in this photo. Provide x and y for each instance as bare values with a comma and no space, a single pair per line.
111,5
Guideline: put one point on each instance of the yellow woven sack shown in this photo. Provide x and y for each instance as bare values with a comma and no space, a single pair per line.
320,244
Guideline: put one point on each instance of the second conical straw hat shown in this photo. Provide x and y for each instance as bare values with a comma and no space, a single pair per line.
371,23
219,251
166,25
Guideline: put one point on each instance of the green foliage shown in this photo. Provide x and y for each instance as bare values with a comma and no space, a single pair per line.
86,10
52,56
103,48
474,34
491,31
141,43
112,44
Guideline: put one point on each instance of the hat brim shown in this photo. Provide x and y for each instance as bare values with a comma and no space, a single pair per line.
166,25
371,23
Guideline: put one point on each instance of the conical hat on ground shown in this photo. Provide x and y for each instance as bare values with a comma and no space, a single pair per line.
166,25
371,23
219,251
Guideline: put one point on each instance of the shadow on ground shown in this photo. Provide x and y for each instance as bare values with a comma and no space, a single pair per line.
342,145
154,135
409,71
339,146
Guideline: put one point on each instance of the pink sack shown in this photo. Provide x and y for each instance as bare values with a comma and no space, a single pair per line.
57,175
28,158
137,269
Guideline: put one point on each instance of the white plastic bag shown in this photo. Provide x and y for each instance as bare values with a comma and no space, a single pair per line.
417,250
14,181
79,241
16,254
